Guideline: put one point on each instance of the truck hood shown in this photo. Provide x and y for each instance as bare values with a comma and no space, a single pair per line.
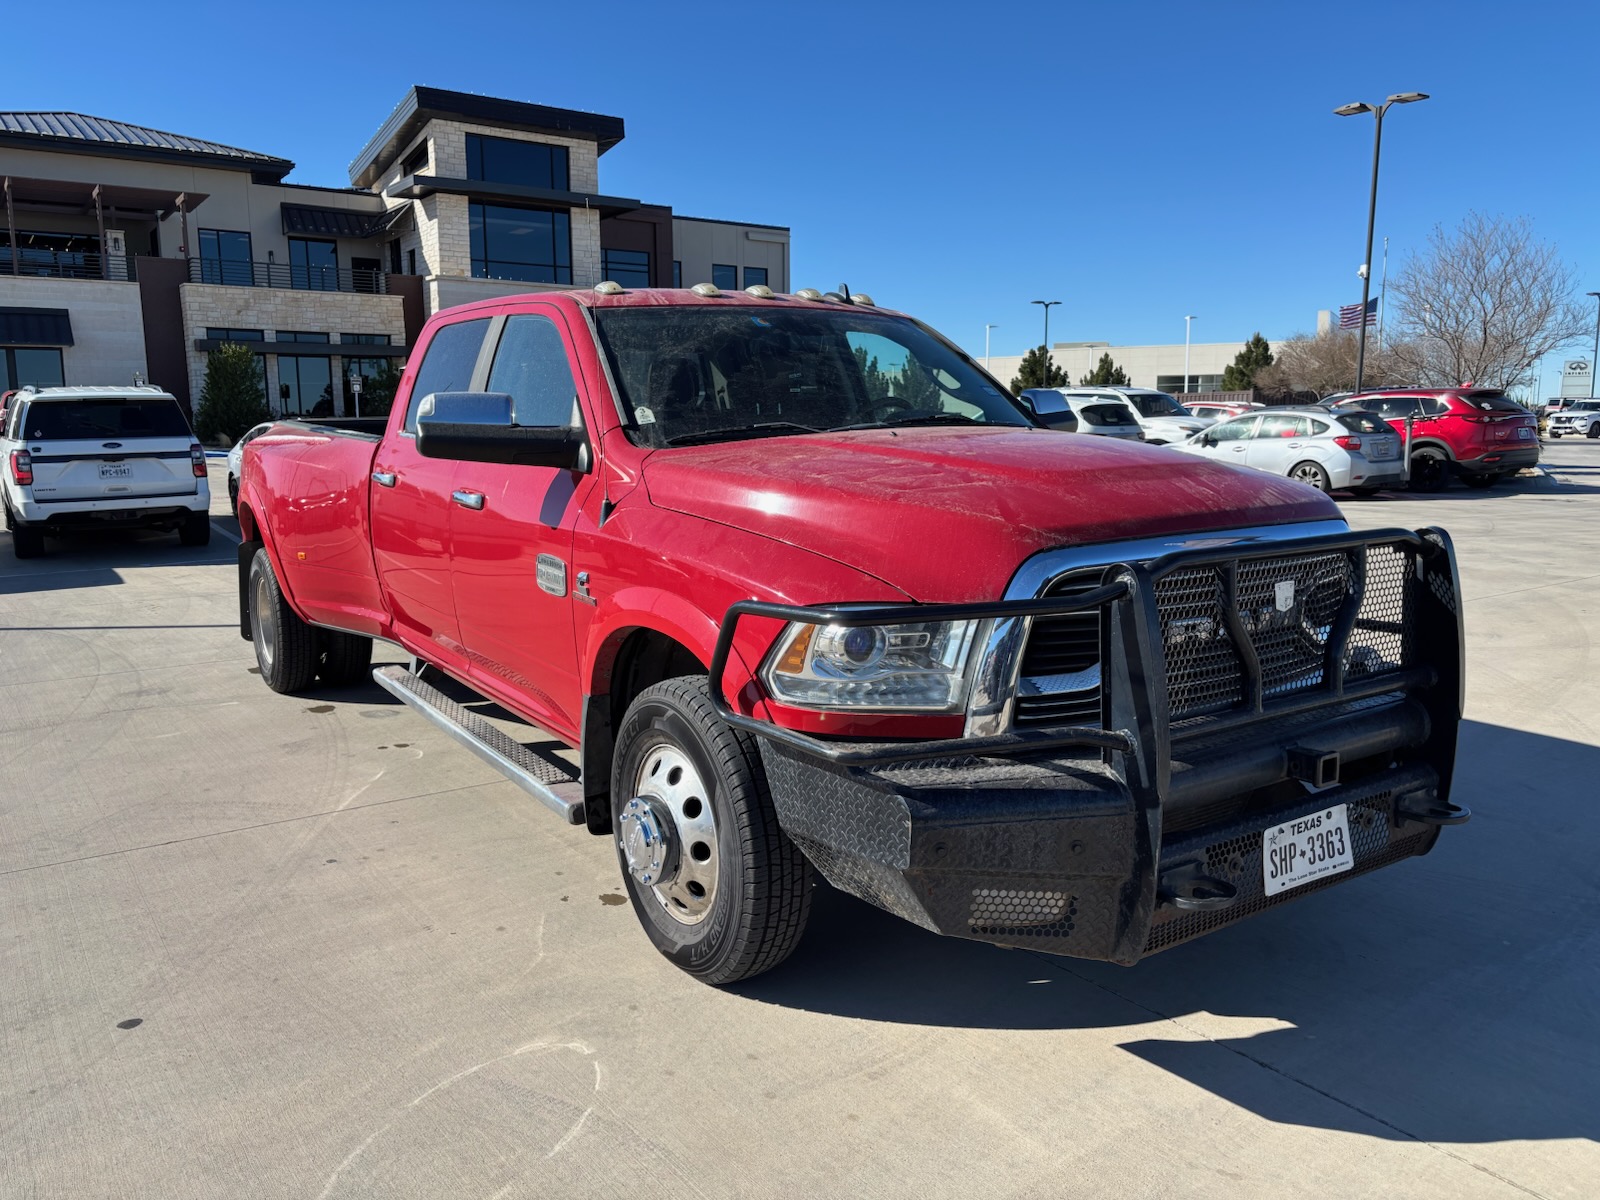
948,515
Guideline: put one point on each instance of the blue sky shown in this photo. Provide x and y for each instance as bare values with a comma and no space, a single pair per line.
1137,161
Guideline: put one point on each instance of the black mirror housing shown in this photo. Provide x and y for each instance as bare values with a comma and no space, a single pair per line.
479,427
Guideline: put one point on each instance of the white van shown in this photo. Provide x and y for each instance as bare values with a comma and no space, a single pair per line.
97,457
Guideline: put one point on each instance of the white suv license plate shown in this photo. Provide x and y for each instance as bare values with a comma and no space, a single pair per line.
1306,849
115,470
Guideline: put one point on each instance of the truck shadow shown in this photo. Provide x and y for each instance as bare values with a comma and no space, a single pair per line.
1451,998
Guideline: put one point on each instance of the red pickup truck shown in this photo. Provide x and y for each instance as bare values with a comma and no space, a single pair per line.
807,590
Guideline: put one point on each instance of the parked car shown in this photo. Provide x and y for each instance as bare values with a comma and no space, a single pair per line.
1349,450
1221,410
236,457
1475,434
1105,418
100,457
1160,416
789,622
1580,418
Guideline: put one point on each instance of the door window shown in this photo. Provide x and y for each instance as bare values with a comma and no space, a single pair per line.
313,265
447,364
530,364
1398,408
1233,431
1284,425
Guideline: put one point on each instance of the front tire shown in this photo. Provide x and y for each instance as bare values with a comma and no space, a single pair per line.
1311,473
287,649
716,883
1430,471
233,495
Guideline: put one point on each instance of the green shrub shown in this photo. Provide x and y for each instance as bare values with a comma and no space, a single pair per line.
232,399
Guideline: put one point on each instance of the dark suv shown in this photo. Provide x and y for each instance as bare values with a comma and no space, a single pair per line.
1475,433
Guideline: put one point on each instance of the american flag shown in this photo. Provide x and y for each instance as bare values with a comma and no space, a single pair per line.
1350,314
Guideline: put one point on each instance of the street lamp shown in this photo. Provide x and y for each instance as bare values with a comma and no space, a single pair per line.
1594,362
1047,306
1186,321
1377,111
986,329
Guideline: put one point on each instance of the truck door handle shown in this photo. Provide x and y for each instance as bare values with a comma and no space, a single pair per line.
383,478
472,500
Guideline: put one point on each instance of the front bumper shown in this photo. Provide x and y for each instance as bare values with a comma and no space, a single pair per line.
1117,840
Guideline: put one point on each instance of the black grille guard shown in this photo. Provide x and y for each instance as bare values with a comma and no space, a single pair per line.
1135,719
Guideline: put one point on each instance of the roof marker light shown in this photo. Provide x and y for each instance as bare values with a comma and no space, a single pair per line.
608,287
809,294
706,289
759,290
862,299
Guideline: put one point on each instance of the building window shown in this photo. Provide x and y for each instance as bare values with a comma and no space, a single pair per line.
755,275
630,268
365,339
677,273
59,255
525,164
301,335
313,265
225,257
411,262
725,277
216,334
24,366
1197,383
524,244
305,386
416,160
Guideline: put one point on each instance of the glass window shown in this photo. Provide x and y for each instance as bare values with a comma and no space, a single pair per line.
447,364
677,273
216,334
1284,425
133,416
1397,408
525,244
694,373
1233,431
630,268
1155,404
725,277
313,265
1361,422
1495,402
416,160
225,257
525,164
530,364
302,335
364,339
36,366
305,386
754,276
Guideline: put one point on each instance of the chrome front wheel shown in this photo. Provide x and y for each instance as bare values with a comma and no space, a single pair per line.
668,834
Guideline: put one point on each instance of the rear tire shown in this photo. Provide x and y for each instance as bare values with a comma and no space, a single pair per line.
287,649
346,658
1312,473
1594,430
27,541
195,530
1430,471
731,893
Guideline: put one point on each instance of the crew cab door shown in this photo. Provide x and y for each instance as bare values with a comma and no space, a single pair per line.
410,500
511,534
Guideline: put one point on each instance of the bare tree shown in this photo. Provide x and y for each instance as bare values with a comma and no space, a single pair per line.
1326,363
1484,303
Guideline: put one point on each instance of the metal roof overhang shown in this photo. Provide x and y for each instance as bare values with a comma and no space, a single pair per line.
415,187
303,219
75,197
35,327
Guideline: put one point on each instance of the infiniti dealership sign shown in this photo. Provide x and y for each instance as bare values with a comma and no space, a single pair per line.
1577,377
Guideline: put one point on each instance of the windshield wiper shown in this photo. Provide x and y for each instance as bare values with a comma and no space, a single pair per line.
735,433
941,418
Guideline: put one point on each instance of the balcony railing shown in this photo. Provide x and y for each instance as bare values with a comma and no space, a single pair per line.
67,264
237,273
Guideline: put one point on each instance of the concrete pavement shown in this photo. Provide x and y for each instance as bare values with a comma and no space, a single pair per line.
255,945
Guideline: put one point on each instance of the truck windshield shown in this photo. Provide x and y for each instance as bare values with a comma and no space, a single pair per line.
707,373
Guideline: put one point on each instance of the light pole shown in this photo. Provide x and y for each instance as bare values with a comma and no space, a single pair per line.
1186,321
1377,111
1594,362
986,329
1048,304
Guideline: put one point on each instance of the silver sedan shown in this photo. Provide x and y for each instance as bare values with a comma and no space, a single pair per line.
1355,451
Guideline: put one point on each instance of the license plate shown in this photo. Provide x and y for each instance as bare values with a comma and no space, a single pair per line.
1524,432
115,470
1306,849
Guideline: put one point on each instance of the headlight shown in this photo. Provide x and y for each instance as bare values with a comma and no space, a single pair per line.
921,667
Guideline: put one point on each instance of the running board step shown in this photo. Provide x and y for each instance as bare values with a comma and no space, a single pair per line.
545,777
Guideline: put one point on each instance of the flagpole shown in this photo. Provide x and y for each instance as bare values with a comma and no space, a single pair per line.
1383,294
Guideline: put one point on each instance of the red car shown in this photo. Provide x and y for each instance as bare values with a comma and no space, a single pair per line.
1474,433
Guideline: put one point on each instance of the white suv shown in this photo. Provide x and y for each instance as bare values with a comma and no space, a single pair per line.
1163,420
99,457
1579,418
